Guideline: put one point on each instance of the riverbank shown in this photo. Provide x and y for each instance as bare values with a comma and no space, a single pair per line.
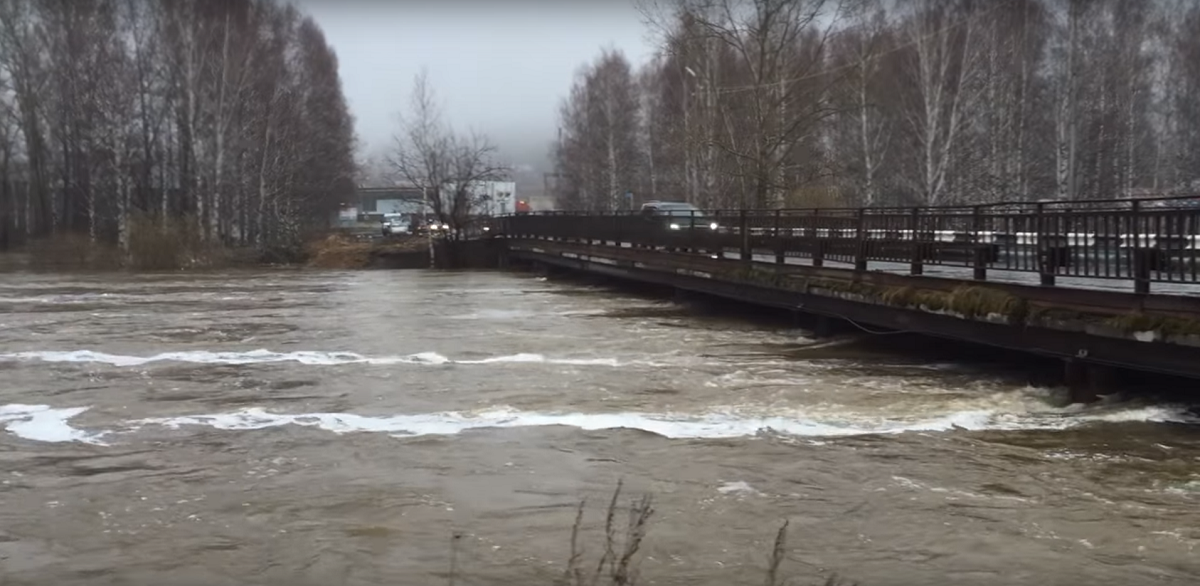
338,251
331,251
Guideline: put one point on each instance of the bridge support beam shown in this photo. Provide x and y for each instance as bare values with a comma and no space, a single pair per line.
1087,382
823,326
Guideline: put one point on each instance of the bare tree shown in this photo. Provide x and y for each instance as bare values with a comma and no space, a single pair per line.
865,122
183,112
785,102
447,166
944,62
928,101
600,157
24,58
1185,107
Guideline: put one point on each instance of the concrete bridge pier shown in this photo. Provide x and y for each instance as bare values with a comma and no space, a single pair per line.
1086,382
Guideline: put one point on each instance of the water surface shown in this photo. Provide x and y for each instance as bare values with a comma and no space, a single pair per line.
343,428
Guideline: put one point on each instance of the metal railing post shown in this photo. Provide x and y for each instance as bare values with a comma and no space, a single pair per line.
818,252
1141,255
860,255
1046,264
914,221
980,260
744,226
780,249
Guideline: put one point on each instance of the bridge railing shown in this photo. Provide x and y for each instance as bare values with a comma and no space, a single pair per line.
1127,240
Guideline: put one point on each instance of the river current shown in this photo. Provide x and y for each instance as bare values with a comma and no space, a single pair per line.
414,427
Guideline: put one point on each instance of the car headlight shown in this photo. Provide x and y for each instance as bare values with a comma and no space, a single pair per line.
445,226
486,228
674,226
713,226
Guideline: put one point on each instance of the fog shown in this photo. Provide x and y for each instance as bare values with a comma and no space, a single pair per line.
499,67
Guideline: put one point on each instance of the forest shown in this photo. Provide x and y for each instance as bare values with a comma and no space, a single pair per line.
219,122
827,103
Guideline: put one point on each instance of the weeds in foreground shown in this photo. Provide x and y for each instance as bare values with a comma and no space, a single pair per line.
617,564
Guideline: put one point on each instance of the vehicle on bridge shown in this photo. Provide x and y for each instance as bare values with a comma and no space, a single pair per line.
397,224
431,224
678,215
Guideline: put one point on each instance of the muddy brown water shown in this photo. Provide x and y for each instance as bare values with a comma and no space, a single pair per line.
411,427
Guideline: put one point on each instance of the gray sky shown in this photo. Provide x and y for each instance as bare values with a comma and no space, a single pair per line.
500,66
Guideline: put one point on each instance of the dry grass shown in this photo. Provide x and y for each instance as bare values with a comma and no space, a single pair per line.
72,252
337,251
153,245
617,564
176,244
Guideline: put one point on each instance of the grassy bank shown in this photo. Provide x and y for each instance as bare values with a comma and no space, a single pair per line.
153,245
338,251
175,246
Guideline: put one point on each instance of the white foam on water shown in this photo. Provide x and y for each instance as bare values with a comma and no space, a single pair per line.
48,424
45,424
538,358
526,314
497,314
739,487
262,356
713,425
73,298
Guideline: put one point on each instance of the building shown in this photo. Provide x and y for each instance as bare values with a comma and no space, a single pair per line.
376,201
494,198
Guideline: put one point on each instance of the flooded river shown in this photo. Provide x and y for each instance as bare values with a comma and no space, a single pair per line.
409,427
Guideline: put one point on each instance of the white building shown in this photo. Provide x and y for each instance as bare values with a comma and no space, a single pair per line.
494,198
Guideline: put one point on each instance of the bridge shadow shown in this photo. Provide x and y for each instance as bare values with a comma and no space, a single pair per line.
865,344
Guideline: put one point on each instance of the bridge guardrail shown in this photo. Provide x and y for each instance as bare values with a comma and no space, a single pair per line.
1125,240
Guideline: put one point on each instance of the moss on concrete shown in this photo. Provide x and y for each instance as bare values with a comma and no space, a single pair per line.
969,301
973,301
761,277
1164,324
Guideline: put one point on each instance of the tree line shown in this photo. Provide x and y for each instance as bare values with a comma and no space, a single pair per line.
815,103
222,120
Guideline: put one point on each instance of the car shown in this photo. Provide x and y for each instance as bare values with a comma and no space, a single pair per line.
396,224
430,224
678,215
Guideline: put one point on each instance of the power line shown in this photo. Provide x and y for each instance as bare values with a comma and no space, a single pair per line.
917,41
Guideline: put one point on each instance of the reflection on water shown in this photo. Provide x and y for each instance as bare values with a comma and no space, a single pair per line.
325,427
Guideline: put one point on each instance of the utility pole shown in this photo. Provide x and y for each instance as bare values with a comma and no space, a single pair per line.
550,188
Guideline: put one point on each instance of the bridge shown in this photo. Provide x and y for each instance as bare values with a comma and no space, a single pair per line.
1101,285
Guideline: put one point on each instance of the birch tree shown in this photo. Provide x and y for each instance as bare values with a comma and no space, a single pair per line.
785,96
865,123
599,157
187,118
942,66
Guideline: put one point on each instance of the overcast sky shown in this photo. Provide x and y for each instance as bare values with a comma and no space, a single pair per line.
500,66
